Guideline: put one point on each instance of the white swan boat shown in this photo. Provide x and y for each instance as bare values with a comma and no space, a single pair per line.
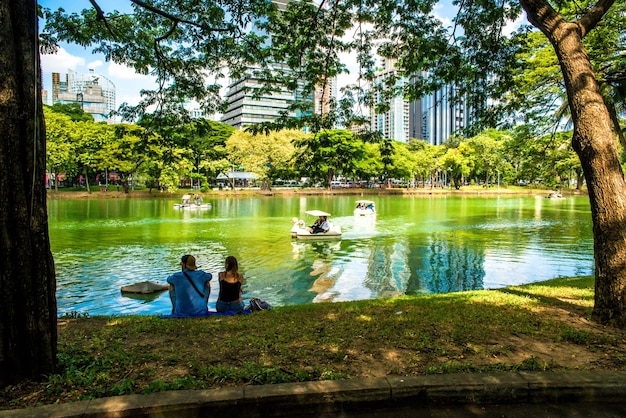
188,203
364,208
301,231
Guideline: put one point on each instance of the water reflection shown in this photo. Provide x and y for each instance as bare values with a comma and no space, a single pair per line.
415,245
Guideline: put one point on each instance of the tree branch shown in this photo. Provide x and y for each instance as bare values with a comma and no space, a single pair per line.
541,15
593,16
100,16
174,18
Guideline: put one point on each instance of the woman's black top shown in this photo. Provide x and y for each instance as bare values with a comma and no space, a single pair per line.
229,292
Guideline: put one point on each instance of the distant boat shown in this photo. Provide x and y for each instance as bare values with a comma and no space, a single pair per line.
301,231
365,208
188,203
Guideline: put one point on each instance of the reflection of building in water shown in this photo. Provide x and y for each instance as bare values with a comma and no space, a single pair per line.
388,271
445,266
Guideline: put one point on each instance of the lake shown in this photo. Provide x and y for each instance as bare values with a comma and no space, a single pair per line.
416,245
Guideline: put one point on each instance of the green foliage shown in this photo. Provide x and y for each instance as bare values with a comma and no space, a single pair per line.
328,153
269,155
73,110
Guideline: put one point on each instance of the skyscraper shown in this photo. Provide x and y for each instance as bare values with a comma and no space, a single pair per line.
393,124
432,118
245,109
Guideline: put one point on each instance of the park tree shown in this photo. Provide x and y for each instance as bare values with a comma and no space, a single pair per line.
426,156
328,153
208,140
403,163
132,147
267,155
60,145
370,166
90,139
73,110
487,152
28,330
457,164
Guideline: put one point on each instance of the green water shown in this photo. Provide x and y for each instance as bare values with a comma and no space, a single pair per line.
416,244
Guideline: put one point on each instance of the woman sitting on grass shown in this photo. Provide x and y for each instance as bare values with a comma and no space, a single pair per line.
229,299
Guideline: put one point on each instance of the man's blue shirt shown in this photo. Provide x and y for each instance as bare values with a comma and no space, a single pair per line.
185,299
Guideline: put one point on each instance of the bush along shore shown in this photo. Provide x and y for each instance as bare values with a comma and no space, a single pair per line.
541,326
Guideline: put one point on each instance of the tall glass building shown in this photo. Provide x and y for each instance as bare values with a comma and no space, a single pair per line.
433,118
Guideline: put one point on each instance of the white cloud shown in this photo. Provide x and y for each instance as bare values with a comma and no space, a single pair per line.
61,62
95,64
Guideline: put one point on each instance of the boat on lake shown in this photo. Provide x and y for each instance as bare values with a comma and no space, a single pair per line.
189,202
300,230
365,208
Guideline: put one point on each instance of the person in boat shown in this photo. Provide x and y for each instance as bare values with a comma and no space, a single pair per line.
198,199
189,288
230,287
371,207
321,225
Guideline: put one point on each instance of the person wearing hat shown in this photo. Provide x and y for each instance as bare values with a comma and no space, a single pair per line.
189,288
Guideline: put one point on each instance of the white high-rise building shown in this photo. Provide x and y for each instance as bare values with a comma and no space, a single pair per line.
94,92
433,118
245,109
393,124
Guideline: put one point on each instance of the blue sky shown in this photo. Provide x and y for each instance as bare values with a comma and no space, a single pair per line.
128,84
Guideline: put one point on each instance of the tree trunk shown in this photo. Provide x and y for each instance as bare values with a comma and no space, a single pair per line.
596,145
87,181
27,301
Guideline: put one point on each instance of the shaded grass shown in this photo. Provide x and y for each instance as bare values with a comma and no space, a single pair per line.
533,327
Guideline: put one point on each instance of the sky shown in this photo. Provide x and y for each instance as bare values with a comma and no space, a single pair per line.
129,84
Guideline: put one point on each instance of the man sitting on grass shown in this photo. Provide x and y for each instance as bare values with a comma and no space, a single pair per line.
189,288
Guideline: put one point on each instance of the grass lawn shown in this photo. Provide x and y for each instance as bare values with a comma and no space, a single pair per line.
541,326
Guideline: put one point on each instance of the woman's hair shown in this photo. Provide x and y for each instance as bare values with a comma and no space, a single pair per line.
231,265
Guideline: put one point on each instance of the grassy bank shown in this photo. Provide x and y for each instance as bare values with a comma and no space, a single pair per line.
542,326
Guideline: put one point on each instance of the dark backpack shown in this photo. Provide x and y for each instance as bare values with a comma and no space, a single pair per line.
257,304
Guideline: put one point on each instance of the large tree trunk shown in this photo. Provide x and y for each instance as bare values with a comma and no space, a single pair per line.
596,144
27,297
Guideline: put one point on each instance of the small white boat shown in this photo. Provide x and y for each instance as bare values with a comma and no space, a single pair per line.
365,208
301,231
189,203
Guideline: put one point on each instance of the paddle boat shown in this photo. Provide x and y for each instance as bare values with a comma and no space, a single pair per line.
300,229
188,203
364,208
